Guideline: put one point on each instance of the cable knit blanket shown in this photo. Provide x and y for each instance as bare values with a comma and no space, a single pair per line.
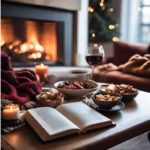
137,65
18,86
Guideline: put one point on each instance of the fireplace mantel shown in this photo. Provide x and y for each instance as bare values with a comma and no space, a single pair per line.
65,4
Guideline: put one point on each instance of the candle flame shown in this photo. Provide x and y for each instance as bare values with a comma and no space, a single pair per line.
10,107
42,65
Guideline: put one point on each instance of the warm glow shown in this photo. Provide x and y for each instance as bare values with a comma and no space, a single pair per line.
36,39
111,26
115,38
90,9
101,3
111,9
42,65
31,47
10,111
35,55
93,35
39,47
24,48
95,45
2,41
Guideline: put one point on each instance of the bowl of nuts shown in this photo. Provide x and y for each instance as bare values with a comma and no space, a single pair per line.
127,92
50,97
105,100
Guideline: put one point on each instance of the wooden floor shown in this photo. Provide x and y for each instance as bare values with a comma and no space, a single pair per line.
138,143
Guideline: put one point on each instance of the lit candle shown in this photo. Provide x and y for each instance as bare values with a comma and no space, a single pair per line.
42,71
11,112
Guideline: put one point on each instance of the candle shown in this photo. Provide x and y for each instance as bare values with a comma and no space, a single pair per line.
11,112
42,71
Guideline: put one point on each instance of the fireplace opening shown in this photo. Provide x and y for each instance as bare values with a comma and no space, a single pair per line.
36,34
28,41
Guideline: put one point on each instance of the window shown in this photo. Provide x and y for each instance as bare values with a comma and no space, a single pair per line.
144,21
135,21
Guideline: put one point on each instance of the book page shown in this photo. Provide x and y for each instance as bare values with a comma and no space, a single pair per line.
51,121
83,116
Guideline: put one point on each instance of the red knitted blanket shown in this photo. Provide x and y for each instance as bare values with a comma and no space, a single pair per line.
18,86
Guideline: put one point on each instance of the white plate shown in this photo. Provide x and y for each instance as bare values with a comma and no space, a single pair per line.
76,92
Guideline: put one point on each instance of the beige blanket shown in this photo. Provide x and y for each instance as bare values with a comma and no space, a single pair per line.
137,65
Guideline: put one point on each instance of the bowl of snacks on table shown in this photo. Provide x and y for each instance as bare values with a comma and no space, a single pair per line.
50,97
105,100
76,88
127,92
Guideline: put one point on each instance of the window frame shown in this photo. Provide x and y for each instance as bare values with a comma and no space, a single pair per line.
141,24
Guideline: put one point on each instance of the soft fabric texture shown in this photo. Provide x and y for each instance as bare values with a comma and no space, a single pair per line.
136,72
137,65
18,86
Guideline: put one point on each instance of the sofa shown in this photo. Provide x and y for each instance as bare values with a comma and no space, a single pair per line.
122,51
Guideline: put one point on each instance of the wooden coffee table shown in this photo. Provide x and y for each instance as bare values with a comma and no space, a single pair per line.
133,120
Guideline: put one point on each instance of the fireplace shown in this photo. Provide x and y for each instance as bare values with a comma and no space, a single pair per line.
36,34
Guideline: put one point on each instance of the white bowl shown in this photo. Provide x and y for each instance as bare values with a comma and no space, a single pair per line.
76,92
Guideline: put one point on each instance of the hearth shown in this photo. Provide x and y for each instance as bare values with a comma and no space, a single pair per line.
33,34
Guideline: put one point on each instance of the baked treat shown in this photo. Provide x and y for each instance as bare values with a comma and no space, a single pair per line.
51,98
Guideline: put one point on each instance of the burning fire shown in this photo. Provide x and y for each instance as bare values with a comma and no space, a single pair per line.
31,47
37,45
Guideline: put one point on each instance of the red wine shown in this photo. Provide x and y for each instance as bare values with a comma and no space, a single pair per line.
93,59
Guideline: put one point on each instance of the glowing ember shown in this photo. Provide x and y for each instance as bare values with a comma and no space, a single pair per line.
35,55
31,47
33,40
2,40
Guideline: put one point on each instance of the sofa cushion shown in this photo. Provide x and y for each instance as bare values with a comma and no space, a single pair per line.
123,51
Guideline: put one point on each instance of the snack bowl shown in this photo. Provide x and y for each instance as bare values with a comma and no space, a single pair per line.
50,97
105,100
76,88
127,92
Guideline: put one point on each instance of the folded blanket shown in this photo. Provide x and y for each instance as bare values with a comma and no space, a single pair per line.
107,67
137,65
18,86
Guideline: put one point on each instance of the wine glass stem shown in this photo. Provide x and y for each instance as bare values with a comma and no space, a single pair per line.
92,72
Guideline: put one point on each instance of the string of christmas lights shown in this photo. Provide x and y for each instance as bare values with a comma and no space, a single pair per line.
102,23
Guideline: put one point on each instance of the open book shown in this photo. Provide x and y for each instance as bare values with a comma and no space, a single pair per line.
50,123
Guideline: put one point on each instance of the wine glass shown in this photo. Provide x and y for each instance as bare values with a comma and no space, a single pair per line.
95,55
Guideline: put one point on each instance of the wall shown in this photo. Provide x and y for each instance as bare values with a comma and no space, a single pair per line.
82,36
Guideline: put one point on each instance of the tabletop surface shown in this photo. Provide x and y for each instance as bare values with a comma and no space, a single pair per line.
133,120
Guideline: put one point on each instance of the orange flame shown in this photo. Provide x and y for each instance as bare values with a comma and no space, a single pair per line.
36,41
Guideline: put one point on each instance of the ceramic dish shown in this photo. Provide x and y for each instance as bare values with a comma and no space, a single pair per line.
126,96
105,100
115,108
76,92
